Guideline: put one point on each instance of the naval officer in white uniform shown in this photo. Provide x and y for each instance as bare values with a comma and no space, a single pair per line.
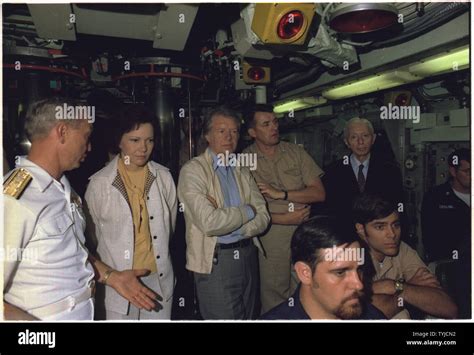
49,274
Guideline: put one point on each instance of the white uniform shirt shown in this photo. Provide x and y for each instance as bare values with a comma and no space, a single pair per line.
48,229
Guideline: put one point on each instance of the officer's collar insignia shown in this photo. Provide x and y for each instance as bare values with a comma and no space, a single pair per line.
16,183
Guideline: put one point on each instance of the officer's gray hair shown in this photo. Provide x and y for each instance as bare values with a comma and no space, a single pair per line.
220,111
357,120
41,117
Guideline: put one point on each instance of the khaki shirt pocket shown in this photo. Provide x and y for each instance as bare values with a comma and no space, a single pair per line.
292,178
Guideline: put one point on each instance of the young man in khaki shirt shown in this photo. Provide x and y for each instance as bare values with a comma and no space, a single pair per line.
289,179
399,275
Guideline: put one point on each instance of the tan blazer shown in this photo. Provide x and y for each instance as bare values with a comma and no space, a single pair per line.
204,222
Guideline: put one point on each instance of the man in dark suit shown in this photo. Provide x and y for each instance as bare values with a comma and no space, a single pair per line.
360,172
446,228
446,212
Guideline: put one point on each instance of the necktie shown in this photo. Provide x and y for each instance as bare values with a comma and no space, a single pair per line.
361,178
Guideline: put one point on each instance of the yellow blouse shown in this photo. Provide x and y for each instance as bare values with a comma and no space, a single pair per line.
134,181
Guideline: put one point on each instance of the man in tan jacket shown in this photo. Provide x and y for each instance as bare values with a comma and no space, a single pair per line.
224,210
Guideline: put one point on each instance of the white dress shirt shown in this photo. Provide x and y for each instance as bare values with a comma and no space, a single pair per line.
355,163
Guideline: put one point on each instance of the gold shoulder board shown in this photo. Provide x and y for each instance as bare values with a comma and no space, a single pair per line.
17,183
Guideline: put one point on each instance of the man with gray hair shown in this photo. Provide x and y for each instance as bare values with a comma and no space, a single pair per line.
49,274
224,211
360,172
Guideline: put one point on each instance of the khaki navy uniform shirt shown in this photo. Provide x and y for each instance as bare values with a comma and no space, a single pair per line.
291,168
404,265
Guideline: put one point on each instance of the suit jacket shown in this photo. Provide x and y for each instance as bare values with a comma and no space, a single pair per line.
204,222
340,182
107,203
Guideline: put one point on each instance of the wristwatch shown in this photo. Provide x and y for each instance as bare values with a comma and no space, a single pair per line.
399,285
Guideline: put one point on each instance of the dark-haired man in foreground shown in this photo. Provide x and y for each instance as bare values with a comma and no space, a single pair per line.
329,263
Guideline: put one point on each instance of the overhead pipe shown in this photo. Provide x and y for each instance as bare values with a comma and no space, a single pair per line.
49,69
297,79
152,72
